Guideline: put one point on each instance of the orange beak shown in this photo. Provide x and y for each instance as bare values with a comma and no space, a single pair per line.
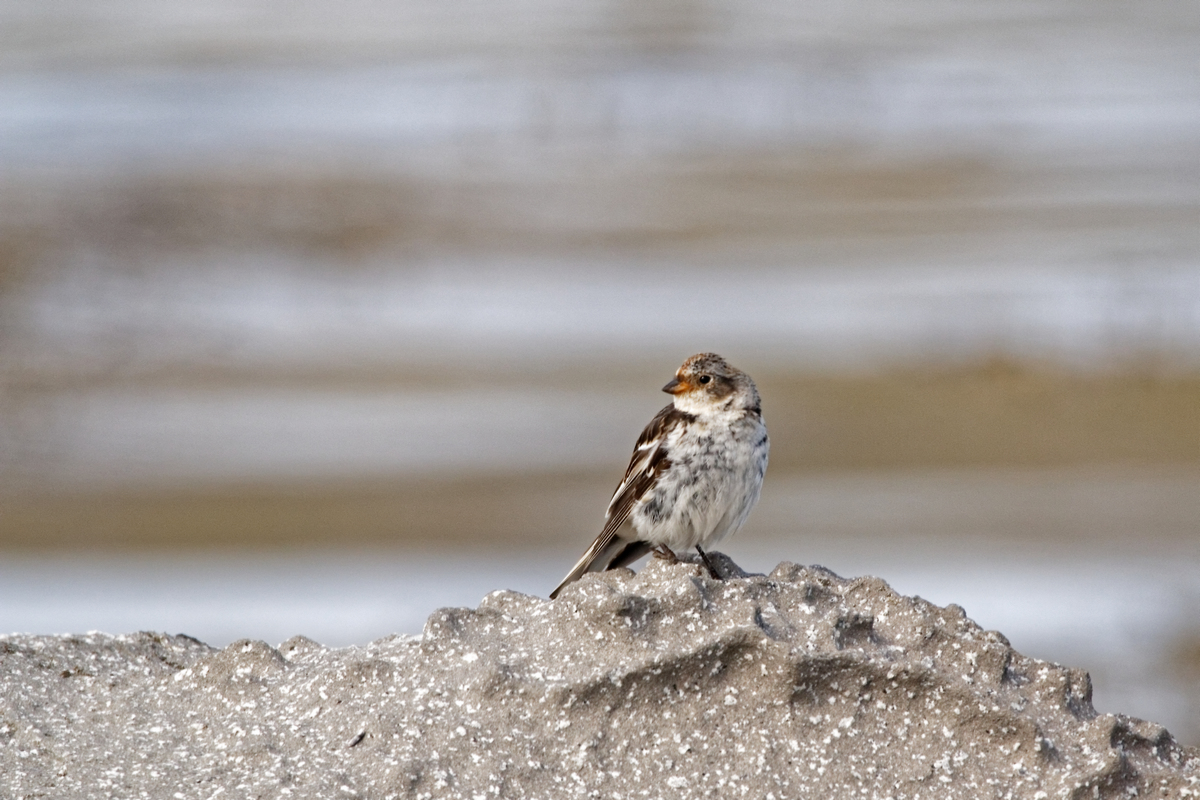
676,386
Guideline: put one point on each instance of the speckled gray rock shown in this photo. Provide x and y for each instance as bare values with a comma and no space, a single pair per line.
664,684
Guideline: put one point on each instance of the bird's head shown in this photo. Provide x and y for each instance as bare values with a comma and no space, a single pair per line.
707,383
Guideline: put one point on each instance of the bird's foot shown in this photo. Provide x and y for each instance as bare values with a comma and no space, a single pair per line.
711,569
662,551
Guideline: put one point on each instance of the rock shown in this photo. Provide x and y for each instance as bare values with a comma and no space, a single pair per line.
661,684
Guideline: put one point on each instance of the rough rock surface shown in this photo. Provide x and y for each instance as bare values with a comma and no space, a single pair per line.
664,684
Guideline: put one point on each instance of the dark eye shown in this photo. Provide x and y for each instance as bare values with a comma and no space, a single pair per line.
705,378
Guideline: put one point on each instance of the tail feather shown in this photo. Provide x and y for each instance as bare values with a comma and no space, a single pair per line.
602,556
631,553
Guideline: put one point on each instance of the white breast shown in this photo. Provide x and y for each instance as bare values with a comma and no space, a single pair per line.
716,472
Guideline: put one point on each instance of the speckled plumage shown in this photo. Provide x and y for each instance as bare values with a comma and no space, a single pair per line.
695,473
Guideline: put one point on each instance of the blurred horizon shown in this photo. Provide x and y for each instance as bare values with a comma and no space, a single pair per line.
397,284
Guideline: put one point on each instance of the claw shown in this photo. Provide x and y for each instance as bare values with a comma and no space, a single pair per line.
662,551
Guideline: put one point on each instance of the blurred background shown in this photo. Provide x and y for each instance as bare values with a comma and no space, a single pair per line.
315,316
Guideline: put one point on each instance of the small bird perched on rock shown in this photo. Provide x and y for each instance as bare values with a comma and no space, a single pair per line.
696,471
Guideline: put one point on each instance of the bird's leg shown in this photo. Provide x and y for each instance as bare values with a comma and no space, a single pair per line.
711,569
662,551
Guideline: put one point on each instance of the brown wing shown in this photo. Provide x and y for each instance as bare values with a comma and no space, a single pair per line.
649,461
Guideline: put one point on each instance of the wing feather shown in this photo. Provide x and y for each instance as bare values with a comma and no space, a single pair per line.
648,462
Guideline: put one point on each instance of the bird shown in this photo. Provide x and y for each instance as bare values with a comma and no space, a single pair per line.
696,472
